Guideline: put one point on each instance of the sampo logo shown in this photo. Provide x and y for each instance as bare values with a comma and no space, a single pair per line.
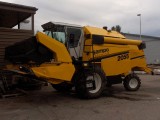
101,51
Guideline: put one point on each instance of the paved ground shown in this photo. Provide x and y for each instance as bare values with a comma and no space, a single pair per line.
115,104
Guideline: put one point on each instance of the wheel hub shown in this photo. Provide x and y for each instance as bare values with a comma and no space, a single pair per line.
96,79
133,83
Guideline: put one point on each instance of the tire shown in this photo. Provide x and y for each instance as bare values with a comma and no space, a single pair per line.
62,87
132,82
95,78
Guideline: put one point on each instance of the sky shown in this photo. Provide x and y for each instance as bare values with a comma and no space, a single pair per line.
99,13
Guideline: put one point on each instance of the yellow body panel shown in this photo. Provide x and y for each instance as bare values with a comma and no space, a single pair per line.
62,71
100,31
122,41
110,49
59,49
117,56
123,63
112,67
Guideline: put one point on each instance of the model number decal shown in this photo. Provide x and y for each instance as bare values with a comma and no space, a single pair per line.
123,57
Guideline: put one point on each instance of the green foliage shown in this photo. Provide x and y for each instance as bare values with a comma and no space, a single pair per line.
116,28
113,28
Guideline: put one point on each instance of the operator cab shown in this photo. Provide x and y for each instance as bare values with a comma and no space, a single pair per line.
69,34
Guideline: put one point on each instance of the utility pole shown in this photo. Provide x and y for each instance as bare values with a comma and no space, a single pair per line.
140,24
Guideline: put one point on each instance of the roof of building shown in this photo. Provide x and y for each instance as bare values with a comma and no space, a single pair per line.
11,14
143,36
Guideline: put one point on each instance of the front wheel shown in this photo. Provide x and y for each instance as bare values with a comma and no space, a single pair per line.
132,82
90,83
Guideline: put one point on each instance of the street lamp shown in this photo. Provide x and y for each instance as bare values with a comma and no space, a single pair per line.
140,23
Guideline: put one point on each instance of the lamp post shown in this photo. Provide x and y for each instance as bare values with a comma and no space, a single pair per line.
140,23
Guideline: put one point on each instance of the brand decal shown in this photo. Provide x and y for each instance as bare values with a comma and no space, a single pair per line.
101,51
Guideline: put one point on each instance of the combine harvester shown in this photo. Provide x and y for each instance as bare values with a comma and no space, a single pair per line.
87,58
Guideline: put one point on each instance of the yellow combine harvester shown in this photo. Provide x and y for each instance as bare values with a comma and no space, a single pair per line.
87,58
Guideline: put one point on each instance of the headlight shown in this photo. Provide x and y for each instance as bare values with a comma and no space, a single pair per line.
85,64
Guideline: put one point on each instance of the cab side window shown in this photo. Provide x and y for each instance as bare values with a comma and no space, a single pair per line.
73,36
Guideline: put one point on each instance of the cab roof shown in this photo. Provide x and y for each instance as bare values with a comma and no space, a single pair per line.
51,25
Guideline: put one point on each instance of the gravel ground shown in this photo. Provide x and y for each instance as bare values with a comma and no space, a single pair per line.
115,104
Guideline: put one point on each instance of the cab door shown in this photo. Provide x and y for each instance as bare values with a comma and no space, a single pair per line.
75,41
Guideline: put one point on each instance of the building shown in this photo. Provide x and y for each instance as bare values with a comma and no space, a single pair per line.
16,24
152,50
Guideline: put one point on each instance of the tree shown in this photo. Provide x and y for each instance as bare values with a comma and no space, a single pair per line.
113,28
118,28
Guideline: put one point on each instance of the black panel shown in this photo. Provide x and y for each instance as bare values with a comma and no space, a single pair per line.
142,46
97,39
114,79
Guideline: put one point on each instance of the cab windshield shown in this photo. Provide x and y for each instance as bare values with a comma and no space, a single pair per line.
59,36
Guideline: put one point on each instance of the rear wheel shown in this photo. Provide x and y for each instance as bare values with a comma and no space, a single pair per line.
62,87
90,83
132,82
